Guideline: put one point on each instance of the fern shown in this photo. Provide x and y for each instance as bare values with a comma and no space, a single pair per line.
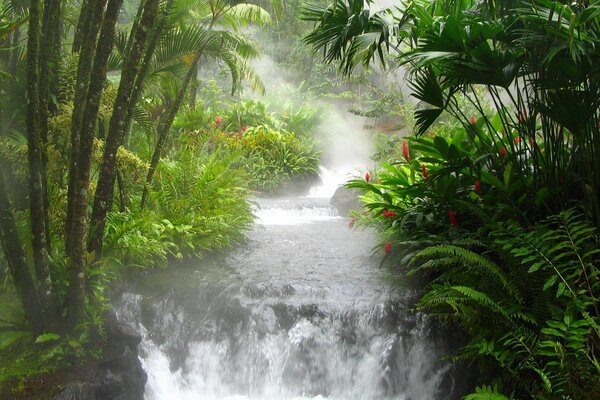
473,260
486,393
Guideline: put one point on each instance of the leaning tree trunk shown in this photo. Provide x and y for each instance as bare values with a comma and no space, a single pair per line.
106,181
79,201
87,50
145,66
50,44
83,25
17,264
164,127
35,146
118,123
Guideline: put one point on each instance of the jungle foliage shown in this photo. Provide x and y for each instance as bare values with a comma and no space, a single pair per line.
476,206
99,170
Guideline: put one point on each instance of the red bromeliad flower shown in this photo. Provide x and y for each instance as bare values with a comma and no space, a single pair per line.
452,216
389,214
477,186
387,247
367,176
473,120
503,152
219,121
405,152
518,140
424,171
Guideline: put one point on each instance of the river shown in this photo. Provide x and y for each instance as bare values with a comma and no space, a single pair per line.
302,310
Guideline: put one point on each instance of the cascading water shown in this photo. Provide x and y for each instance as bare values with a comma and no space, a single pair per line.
299,311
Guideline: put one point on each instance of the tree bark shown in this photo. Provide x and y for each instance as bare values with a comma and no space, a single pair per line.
50,46
122,191
79,202
103,198
17,264
84,71
164,126
83,23
35,146
144,68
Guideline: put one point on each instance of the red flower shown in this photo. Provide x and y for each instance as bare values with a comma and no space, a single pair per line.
219,121
405,152
389,214
387,247
477,186
452,216
424,171
473,120
517,140
367,176
503,152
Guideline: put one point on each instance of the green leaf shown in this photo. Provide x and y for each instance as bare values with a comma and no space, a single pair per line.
550,282
47,337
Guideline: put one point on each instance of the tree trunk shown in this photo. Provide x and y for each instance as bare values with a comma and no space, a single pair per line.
103,198
17,264
35,156
164,127
79,202
122,191
83,23
84,70
47,66
14,53
145,66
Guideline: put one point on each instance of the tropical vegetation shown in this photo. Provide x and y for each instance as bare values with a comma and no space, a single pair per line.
110,161
474,203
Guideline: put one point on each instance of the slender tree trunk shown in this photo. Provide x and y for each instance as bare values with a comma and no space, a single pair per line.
14,54
85,16
84,70
134,29
103,198
35,146
17,264
145,66
79,202
48,51
122,191
164,126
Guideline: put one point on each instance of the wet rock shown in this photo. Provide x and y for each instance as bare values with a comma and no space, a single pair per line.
345,200
77,391
118,375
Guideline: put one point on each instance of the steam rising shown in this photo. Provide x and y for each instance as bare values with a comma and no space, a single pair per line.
346,143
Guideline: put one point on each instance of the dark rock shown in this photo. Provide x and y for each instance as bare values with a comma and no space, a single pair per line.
345,200
121,377
118,332
77,391
118,375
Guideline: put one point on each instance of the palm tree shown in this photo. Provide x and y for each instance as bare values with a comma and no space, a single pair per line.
225,44
538,65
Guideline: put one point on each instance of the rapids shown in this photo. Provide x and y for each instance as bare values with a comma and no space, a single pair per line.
302,310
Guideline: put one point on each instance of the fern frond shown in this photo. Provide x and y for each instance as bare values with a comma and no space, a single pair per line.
472,260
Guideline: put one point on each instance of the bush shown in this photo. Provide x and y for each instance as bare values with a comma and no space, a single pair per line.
199,203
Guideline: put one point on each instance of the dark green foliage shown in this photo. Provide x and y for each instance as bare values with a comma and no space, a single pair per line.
533,314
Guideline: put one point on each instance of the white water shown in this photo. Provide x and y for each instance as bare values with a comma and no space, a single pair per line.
300,312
